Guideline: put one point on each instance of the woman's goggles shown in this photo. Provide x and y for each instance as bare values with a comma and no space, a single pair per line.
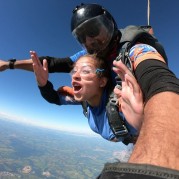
85,71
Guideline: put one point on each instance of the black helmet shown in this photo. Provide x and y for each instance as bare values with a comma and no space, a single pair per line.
93,27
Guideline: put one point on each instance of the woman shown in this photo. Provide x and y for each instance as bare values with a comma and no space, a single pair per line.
91,83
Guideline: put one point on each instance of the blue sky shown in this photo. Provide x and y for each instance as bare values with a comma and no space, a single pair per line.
44,26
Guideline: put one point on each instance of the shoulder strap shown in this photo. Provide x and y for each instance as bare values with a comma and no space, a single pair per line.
84,106
115,121
143,34
135,34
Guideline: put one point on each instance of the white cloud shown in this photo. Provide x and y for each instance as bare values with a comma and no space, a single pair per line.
72,129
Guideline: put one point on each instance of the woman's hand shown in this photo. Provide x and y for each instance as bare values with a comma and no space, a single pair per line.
41,72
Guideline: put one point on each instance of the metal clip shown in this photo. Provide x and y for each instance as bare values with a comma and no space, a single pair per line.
118,58
121,131
114,101
127,61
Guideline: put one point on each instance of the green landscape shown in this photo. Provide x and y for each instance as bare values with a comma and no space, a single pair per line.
33,153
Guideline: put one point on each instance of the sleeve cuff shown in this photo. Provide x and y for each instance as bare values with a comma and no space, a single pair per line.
46,87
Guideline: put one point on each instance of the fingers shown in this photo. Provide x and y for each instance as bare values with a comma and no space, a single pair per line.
35,58
117,92
41,71
45,65
126,75
132,83
36,62
121,69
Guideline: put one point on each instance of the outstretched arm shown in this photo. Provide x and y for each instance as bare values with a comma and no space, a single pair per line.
158,140
19,64
54,64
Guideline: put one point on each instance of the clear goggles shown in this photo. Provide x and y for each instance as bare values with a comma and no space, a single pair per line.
95,34
85,71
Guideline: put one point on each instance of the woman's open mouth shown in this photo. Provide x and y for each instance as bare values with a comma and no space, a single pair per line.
76,87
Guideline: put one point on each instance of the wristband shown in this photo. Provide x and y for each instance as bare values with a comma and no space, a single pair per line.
11,63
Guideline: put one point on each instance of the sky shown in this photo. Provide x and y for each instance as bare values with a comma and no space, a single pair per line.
44,26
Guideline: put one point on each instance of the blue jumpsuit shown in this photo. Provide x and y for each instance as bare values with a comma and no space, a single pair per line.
97,117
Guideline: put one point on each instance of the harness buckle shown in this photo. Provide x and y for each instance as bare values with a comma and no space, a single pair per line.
118,82
119,57
114,101
122,131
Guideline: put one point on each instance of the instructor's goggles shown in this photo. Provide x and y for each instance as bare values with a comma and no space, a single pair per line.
94,34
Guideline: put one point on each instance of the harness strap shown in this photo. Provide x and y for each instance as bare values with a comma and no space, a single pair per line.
84,106
124,56
115,121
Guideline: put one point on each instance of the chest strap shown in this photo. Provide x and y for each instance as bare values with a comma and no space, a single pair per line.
115,120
